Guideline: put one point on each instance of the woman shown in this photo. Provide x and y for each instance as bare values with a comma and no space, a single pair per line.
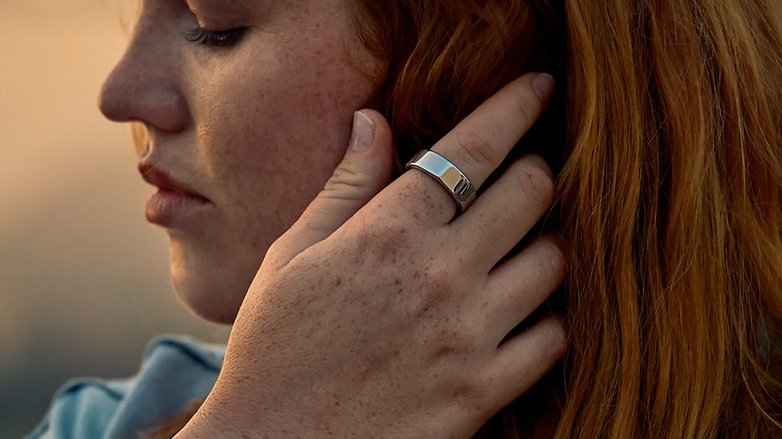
665,140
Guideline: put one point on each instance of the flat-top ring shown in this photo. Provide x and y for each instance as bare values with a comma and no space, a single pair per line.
447,174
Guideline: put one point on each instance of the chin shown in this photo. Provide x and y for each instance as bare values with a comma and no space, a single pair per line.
210,290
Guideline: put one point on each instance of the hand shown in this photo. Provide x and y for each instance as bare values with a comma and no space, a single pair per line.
380,315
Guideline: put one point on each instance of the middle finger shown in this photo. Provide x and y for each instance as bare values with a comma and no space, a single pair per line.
478,145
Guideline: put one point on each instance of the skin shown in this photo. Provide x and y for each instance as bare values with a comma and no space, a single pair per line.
373,321
376,289
256,128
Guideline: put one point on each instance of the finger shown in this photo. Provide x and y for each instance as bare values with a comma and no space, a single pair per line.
522,283
524,359
365,170
505,212
479,144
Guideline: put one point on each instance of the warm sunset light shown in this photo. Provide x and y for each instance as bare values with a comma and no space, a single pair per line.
83,277
468,219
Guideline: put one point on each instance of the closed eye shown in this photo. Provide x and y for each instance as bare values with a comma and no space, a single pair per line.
223,38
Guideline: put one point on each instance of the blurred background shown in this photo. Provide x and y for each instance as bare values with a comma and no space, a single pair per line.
83,277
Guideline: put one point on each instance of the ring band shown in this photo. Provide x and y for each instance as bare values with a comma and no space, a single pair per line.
447,174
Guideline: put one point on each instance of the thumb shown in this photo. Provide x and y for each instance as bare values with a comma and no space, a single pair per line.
364,171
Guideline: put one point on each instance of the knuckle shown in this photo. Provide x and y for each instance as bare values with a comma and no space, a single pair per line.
275,253
527,105
383,239
535,183
450,342
557,346
555,260
436,287
275,246
475,392
344,182
549,345
477,146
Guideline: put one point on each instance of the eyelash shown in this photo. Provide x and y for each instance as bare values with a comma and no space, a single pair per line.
223,38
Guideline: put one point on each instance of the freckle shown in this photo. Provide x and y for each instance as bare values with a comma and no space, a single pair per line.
339,281
397,281
416,275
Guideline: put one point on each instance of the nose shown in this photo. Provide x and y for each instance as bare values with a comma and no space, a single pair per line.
144,86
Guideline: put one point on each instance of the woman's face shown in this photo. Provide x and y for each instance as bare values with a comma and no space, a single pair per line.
253,120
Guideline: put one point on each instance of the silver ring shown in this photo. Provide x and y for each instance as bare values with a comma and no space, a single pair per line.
447,174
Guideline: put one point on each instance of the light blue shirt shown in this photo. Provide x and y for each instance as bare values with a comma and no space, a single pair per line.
176,370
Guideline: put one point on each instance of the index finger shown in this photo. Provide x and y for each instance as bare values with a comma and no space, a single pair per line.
478,144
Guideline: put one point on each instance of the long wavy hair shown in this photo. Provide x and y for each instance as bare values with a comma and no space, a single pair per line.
666,134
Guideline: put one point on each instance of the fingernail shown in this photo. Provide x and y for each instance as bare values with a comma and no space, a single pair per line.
363,132
543,85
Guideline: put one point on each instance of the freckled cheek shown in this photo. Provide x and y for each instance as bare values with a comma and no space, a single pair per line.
263,142
279,123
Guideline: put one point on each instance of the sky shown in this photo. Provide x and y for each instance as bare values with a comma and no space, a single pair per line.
83,277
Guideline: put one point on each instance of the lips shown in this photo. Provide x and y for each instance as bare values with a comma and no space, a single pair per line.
156,177
174,205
